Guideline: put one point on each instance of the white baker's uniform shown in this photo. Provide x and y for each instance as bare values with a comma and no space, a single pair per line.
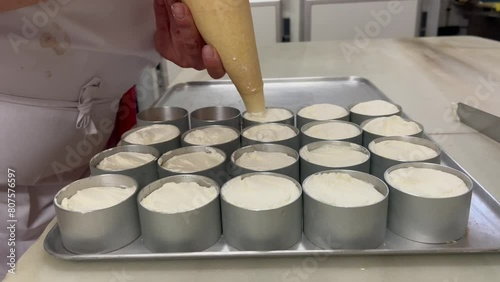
64,64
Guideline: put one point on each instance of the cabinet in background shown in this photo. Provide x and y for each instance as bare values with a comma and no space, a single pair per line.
345,19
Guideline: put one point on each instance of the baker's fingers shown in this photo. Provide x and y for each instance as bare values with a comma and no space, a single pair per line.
212,62
161,15
168,5
162,38
171,2
186,37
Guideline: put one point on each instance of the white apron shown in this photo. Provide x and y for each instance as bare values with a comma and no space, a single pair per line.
64,64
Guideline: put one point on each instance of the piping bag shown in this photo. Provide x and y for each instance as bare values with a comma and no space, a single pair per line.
227,26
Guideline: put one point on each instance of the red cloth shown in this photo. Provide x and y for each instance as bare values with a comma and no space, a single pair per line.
126,117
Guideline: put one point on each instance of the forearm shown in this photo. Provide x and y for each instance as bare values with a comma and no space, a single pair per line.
8,5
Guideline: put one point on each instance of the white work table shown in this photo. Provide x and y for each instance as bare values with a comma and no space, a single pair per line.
425,76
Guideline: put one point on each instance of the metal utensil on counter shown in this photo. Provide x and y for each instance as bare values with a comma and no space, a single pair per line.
481,121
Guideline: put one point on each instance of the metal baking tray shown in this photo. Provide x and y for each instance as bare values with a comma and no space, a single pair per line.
484,223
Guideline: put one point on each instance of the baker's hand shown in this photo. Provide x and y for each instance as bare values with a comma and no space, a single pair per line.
177,39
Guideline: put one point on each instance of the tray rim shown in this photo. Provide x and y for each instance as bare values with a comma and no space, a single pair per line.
353,78
261,254
479,191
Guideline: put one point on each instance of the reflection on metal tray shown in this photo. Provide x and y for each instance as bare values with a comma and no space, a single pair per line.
484,222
